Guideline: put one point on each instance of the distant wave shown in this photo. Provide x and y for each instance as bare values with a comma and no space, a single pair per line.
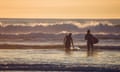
78,24
56,26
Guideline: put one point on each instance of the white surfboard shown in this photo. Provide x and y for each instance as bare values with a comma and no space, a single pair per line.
75,48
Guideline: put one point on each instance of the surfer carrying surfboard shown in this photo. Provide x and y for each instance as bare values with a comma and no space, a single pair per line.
91,40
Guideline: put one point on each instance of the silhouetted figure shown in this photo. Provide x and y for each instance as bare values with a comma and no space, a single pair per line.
89,38
68,41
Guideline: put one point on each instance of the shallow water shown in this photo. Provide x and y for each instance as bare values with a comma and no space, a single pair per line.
103,42
54,56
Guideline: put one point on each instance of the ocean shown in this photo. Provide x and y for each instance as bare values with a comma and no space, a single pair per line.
59,60
53,31
38,32
109,42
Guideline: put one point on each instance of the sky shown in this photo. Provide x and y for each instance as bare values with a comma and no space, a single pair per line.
59,8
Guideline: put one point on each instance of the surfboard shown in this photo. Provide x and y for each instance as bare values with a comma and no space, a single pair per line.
75,48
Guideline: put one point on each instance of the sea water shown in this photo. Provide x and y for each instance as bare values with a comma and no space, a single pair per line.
80,42
54,56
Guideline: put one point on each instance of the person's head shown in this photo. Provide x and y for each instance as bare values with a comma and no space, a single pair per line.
88,31
70,34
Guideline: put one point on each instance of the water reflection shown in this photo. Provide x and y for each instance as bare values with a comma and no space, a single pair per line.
38,56
68,51
92,53
89,53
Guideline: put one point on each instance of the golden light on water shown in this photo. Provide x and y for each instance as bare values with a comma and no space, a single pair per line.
33,56
59,8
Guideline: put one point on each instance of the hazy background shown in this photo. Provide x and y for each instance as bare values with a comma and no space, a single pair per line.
57,26
49,20
60,8
52,31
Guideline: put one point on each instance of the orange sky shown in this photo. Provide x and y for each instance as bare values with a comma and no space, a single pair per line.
59,8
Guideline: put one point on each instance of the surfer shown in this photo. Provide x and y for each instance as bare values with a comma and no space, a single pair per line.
68,41
91,40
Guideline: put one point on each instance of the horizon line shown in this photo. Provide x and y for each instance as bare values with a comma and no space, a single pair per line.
55,18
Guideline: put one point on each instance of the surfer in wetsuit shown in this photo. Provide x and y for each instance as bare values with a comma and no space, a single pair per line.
68,41
89,38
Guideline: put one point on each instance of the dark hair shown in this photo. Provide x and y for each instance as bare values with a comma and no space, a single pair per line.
88,31
70,34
